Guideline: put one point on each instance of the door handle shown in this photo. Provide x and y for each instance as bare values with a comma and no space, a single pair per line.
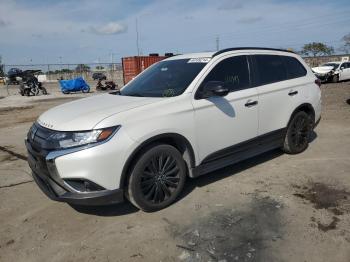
251,103
293,93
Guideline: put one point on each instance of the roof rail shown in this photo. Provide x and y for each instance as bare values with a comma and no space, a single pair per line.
249,48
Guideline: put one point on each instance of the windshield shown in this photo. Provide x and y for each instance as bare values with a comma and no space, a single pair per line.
334,65
164,79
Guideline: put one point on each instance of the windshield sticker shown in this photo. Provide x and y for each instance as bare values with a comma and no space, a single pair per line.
199,60
163,69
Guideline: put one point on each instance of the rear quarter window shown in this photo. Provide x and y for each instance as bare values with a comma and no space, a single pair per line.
294,68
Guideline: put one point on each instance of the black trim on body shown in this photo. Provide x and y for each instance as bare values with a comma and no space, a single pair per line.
240,152
249,48
56,193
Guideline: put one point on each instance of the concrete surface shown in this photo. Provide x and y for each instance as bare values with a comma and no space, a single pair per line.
274,207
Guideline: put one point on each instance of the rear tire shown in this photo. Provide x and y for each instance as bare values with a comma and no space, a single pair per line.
298,133
157,178
43,90
86,90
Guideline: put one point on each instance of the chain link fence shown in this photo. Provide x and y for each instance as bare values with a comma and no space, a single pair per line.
55,72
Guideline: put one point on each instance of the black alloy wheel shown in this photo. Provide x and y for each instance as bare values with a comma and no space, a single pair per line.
160,178
298,133
157,178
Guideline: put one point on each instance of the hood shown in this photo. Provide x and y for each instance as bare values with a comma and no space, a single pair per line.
84,114
322,69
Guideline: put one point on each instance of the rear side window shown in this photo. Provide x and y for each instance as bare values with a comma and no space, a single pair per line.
294,68
232,71
271,69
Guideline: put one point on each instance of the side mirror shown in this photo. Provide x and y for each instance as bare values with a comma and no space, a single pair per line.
214,88
342,67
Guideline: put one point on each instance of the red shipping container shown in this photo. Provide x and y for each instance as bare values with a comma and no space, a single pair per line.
134,65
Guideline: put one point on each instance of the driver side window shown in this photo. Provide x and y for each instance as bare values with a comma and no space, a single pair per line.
232,71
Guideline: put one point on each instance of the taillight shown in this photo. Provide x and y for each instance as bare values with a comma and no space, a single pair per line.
318,82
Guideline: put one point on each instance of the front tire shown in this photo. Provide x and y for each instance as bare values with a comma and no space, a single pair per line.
43,90
157,178
298,133
335,79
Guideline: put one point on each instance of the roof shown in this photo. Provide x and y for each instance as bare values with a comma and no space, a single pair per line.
213,54
250,48
333,62
191,55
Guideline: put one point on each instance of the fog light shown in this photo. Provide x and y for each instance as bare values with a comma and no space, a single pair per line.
83,185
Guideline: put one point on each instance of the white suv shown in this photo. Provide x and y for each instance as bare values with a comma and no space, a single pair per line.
185,116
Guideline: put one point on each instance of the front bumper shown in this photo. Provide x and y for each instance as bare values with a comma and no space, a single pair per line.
45,175
323,77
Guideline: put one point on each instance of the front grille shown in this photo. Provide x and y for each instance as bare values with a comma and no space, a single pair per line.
38,147
38,138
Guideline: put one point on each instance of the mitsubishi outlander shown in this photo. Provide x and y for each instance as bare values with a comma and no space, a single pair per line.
181,118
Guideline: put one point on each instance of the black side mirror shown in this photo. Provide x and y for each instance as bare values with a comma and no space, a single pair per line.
214,88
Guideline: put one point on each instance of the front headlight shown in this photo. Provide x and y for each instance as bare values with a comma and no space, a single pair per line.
80,138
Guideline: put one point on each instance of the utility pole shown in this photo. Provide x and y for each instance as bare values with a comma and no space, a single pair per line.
217,43
137,38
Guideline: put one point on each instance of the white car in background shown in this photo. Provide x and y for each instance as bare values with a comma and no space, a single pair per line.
333,71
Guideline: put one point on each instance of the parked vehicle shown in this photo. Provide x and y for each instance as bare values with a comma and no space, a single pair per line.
27,81
108,85
99,76
74,85
333,71
13,76
31,87
185,116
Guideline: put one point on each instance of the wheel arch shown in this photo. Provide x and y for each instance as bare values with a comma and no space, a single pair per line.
176,140
307,108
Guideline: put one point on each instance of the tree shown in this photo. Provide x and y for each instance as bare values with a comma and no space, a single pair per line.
317,49
346,47
99,68
82,68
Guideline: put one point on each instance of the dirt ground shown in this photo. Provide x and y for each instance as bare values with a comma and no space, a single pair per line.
274,207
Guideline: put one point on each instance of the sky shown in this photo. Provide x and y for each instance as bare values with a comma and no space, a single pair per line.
89,31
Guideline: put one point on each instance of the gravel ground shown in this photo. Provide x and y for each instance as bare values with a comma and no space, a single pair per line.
274,207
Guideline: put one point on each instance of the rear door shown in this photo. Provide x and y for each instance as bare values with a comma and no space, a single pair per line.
279,84
222,122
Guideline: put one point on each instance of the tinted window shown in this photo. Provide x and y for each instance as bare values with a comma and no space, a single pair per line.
294,68
232,71
164,79
271,69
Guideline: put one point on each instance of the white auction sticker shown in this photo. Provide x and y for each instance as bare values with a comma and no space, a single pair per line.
199,60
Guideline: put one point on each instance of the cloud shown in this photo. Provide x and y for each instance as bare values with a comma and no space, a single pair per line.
111,28
250,20
230,5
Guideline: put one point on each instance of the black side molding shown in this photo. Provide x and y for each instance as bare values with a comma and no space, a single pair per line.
240,152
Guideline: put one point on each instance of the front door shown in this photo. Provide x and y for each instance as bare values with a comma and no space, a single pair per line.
344,73
222,122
